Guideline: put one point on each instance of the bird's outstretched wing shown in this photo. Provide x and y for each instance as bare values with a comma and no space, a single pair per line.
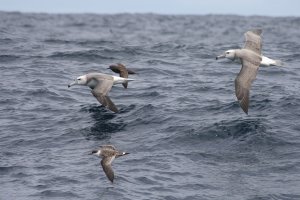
106,165
108,146
124,74
105,101
251,58
123,71
100,92
120,69
253,40
243,83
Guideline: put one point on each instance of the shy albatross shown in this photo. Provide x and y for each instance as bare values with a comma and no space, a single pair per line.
108,153
265,62
122,70
251,58
100,85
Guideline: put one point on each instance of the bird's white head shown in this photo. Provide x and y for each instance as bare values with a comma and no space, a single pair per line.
81,80
230,54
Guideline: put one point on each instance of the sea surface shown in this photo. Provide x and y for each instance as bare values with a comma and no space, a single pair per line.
187,136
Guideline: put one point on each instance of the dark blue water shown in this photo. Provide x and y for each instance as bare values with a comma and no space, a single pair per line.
179,119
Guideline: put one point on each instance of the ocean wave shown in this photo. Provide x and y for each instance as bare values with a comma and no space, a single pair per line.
9,58
55,194
187,136
81,55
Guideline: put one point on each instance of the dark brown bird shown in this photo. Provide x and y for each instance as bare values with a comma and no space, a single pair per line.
122,70
108,153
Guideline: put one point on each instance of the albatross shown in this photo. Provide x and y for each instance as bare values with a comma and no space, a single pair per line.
265,61
250,57
100,85
108,153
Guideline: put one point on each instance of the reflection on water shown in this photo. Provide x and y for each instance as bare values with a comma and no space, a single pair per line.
105,123
239,127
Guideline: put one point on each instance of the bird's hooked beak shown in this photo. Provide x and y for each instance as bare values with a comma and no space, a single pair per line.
73,83
220,56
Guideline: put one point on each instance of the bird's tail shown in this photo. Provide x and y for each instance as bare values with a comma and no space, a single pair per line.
278,63
125,84
129,79
122,154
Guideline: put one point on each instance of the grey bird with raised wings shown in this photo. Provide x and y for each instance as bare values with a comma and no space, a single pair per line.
100,85
251,58
265,61
108,153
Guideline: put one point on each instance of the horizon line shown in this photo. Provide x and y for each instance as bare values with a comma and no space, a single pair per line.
144,13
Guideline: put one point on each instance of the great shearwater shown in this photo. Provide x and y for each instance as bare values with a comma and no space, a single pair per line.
108,153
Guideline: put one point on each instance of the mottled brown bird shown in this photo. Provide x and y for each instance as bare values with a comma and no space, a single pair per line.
108,153
122,70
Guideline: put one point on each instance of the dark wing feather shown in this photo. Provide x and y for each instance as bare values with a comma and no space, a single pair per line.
123,74
253,41
120,69
100,92
243,83
130,71
105,101
106,165
125,85
111,106
114,68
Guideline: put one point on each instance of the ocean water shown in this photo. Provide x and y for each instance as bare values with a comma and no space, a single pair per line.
179,119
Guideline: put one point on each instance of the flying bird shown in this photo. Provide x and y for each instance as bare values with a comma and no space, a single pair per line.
265,61
250,57
100,85
108,153
122,70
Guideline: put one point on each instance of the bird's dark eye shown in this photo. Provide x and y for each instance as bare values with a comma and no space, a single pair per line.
227,52
79,79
